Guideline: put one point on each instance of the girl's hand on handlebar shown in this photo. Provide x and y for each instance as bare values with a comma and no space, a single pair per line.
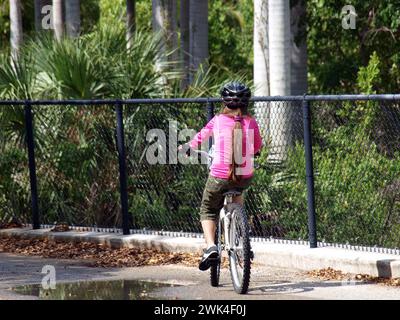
182,146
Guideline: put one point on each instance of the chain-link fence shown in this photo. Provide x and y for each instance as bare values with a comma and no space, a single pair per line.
269,200
357,172
77,165
164,193
80,167
14,173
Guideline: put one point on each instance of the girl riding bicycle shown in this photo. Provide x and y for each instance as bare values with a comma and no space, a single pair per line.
236,140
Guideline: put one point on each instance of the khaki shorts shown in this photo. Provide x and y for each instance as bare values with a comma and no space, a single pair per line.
213,199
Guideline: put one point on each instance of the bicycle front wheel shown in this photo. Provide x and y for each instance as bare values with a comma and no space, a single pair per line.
240,250
216,267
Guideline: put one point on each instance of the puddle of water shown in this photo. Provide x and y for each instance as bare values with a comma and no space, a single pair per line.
94,290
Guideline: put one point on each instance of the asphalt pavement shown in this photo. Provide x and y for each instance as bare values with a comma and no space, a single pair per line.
267,283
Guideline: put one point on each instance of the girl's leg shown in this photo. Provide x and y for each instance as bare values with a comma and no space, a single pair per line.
211,204
209,227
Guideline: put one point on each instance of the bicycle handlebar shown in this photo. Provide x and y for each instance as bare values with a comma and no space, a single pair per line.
256,155
204,153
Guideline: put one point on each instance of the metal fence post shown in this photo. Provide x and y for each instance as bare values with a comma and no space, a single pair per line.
312,228
32,165
210,115
122,168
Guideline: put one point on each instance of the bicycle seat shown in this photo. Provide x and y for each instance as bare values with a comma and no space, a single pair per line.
233,192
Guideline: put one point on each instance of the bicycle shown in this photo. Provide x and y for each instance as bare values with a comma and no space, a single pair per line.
232,236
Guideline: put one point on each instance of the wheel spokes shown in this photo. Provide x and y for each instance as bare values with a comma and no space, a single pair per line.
238,245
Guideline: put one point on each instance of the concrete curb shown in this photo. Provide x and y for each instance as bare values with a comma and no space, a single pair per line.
292,256
142,241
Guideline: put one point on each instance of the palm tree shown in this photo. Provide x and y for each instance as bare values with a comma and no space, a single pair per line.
58,19
38,15
184,28
198,28
39,4
164,21
16,32
279,54
298,61
299,48
130,21
72,18
261,62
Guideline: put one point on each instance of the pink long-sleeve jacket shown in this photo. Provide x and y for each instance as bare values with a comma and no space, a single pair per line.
220,127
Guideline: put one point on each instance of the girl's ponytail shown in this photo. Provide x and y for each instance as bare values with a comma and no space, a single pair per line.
237,135
235,96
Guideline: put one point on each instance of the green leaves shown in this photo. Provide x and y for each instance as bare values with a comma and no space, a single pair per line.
95,66
368,77
17,78
230,35
336,54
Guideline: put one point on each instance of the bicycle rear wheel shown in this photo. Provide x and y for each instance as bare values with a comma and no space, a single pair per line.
216,267
240,253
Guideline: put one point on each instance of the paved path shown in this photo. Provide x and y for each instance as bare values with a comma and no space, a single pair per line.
267,283
361,260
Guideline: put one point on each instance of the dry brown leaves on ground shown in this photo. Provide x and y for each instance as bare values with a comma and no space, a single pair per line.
10,225
328,274
332,274
61,227
98,255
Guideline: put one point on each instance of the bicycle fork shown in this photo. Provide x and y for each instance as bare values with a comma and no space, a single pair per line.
225,219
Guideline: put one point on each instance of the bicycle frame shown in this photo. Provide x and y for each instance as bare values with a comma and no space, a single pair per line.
225,219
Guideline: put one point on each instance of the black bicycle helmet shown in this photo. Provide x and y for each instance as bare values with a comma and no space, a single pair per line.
235,95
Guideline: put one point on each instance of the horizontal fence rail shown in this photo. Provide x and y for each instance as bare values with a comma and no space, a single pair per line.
329,172
344,97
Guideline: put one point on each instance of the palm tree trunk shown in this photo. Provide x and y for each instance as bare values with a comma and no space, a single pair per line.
298,62
38,15
130,21
43,15
73,17
164,21
280,54
299,48
261,63
16,32
184,26
58,19
40,23
198,26
173,30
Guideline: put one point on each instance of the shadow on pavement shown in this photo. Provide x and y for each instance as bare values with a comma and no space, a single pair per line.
298,287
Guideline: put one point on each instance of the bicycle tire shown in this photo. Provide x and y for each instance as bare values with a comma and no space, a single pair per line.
215,269
239,230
